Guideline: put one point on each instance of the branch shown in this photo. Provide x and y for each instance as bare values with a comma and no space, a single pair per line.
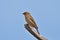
34,33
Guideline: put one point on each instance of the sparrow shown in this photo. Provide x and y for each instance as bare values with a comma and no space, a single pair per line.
29,19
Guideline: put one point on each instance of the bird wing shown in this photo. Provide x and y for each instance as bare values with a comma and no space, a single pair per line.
32,20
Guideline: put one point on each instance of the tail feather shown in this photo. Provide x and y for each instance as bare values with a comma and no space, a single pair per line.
38,31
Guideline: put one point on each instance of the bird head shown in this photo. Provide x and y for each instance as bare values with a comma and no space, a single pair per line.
25,13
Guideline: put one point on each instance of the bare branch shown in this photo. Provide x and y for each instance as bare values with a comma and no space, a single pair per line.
34,33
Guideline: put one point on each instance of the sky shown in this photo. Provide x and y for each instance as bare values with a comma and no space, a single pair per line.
45,12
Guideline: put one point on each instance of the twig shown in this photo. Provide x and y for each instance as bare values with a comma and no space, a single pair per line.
33,33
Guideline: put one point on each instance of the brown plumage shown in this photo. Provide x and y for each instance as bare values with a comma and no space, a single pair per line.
29,19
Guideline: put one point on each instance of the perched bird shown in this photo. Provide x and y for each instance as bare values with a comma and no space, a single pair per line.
29,19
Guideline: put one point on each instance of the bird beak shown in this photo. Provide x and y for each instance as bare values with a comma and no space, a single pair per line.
23,13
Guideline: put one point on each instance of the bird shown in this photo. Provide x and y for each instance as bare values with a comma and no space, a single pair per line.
30,20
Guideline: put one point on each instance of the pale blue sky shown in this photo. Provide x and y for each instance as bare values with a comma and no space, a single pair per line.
45,12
